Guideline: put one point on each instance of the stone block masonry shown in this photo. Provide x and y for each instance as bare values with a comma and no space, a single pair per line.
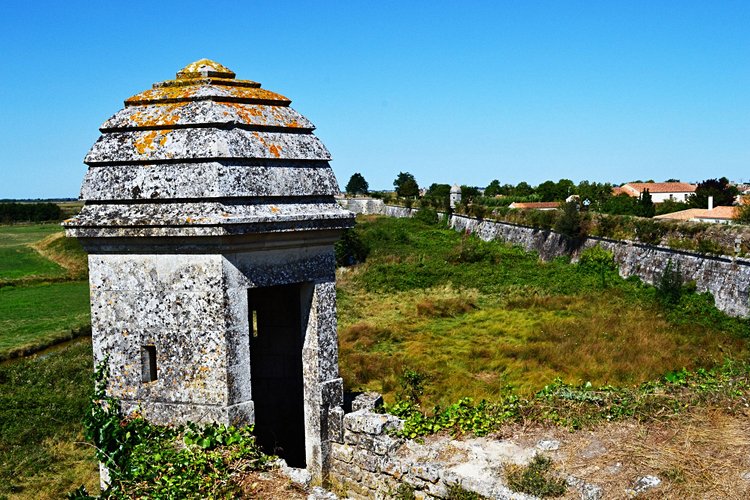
369,461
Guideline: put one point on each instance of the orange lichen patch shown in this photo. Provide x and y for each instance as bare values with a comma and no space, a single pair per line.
275,150
251,93
231,82
275,210
248,114
163,139
272,148
164,114
146,142
213,92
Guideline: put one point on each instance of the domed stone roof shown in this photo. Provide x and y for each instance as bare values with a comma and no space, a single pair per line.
207,154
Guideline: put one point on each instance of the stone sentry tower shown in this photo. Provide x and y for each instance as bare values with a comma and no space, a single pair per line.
209,220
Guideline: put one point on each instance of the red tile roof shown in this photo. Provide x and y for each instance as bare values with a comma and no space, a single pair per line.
636,188
536,204
726,213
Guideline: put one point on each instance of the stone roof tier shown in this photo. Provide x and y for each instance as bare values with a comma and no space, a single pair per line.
203,152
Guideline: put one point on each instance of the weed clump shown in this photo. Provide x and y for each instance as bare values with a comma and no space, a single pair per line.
146,460
535,478
457,492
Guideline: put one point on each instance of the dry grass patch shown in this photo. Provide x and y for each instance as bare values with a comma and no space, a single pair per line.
701,454
470,344
73,464
65,252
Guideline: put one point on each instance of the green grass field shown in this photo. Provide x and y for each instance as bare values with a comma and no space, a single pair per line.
474,317
35,316
43,299
19,260
42,398
477,317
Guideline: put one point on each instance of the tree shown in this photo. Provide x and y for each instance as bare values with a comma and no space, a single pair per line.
548,191
406,186
597,193
720,189
523,189
742,213
357,184
645,206
468,194
493,188
438,196
622,204
569,223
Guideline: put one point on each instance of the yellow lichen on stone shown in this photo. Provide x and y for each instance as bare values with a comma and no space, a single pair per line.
145,142
202,66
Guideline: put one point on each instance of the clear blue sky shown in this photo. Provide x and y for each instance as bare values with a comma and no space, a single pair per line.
450,91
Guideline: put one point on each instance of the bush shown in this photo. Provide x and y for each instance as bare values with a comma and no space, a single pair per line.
427,215
151,461
543,219
535,478
350,249
649,231
471,249
569,222
669,285
598,260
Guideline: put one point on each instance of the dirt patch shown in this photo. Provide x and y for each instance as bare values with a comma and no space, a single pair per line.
270,484
702,454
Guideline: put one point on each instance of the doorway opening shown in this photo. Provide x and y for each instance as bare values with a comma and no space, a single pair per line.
276,341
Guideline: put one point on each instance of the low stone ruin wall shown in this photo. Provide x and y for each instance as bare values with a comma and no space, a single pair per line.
369,461
726,278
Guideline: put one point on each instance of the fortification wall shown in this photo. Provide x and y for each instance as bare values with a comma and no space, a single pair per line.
726,278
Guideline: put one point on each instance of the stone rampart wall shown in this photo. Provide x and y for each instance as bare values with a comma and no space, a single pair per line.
726,278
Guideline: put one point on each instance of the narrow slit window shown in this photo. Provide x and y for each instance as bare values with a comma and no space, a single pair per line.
254,323
148,363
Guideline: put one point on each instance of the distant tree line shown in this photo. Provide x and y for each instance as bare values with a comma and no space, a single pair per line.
593,196
29,212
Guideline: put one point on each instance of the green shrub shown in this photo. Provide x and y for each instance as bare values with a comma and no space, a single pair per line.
457,492
471,249
543,219
649,231
151,461
597,260
428,215
404,492
669,285
535,478
350,249
568,222
709,246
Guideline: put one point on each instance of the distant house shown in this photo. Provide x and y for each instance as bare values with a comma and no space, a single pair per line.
536,205
720,215
659,191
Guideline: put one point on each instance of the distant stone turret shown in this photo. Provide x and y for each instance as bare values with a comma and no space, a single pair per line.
455,196
210,220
